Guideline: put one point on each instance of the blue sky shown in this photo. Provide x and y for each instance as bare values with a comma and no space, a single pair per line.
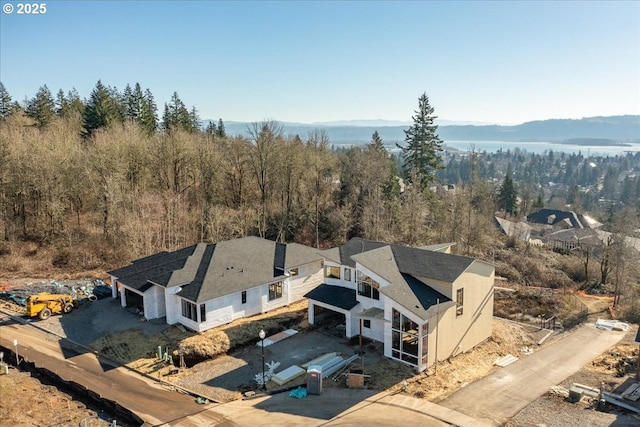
303,61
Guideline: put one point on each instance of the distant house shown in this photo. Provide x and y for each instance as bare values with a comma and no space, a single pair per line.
418,302
519,230
554,219
210,284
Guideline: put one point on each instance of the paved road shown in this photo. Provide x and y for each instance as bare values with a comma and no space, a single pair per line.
501,395
146,398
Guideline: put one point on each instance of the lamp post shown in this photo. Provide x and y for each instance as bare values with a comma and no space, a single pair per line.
15,344
262,335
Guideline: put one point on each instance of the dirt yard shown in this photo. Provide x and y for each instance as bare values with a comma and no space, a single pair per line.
27,401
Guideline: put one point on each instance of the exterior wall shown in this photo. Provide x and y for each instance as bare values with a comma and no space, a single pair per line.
334,281
376,332
309,277
460,333
173,310
388,343
154,304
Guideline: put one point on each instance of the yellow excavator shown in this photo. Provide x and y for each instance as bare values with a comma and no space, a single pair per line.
44,304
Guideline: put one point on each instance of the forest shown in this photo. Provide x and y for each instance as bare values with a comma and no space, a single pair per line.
88,184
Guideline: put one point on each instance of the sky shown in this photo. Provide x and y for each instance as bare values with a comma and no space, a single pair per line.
501,62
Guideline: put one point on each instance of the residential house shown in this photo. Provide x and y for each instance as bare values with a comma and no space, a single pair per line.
210,284
554,219
423,304
518,230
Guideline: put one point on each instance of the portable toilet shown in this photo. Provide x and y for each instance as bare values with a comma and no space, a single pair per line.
314,379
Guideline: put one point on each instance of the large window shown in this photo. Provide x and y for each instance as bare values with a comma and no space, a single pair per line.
367,287
275,291
459,301
190,311
244,297
404,338
332,272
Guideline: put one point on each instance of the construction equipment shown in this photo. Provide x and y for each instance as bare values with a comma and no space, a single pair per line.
44,304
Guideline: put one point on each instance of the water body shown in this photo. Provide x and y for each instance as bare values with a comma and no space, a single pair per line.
542,147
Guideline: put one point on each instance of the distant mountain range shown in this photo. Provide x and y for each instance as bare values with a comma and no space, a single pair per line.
611,130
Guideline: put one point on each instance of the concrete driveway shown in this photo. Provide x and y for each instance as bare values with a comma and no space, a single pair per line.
501,395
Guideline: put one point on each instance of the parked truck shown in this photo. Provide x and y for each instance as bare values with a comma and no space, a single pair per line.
44,304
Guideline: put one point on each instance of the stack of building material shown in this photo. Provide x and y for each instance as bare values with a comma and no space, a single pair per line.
504,361
289,374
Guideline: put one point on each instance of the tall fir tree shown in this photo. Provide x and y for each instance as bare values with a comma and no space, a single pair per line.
211,129
102,109
63,107
5,103
421,154
221,132
508,195
149,113
41,107
176,116
376,142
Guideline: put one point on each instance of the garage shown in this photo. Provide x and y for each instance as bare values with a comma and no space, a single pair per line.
331,306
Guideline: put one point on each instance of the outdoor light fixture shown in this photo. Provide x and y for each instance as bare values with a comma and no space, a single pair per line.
262,335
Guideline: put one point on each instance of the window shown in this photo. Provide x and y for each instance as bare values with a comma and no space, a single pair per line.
275,291
189,310
347,274
293,271
332,272
244,297
367,287
366,323
404,338
459,301
203,313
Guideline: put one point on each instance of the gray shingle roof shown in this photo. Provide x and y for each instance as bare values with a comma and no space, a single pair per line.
406,268
208,271
334,295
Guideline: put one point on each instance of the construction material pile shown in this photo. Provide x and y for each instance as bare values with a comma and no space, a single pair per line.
82,290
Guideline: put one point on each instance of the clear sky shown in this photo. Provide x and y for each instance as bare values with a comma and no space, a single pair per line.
304,61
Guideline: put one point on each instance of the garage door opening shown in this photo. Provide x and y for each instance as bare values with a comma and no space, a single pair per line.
134,300
329,321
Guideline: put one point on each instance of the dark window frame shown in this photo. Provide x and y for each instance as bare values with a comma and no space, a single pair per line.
275,291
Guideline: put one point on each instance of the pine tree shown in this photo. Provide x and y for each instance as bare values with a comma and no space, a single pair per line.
194,120
176,116
376,142
102,109
211,129
423,146
539,203
508,195
41,107
221,132
63,107
149,113
5,103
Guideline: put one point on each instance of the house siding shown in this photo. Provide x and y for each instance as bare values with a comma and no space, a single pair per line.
309,277
154,303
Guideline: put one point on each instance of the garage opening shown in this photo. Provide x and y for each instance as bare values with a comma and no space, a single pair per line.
134,300
329,321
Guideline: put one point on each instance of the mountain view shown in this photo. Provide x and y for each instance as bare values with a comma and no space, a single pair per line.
612,130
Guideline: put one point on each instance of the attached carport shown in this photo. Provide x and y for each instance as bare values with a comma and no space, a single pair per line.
335,298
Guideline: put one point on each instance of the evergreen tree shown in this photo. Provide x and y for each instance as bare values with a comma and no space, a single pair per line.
376,142
211,129
41,107
75,103
221,132
149,113
194,120
5,103
539,203
423,146
176,115
508,195
102,109
63,107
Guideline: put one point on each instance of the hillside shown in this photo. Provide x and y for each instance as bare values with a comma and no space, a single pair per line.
603,130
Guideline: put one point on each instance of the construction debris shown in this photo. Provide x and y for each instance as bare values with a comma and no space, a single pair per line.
505,360
612,325
87,289
632,392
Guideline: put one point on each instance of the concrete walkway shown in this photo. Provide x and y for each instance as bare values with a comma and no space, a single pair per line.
501,395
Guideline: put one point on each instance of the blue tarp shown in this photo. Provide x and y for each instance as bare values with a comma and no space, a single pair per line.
298,393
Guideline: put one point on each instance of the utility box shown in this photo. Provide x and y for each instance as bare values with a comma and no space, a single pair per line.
314,379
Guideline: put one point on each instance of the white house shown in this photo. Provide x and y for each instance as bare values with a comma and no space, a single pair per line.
209,284
419,302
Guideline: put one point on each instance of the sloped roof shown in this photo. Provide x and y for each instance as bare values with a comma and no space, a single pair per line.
555,216
356,245
208,271
334,295
520,230
401,266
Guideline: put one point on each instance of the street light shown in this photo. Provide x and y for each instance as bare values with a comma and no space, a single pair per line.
262,335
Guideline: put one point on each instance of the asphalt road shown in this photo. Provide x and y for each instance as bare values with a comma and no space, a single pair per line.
151,402
501,395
